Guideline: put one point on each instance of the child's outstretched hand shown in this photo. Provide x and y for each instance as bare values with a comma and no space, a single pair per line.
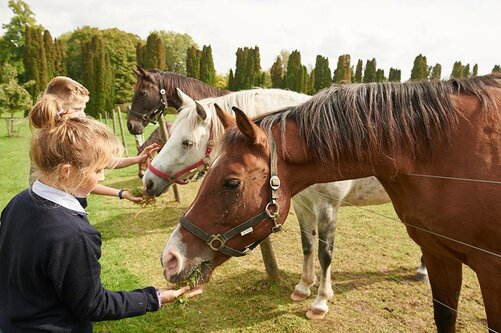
127,195
148,152
169,295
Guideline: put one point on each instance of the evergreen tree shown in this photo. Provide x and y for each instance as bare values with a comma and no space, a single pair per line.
466,71
231,81
155,53
140,51
240,69
60,58
394,75
380,76
475,70
207,70
98,76
193,56
35,62
370,71
457,70
50,53
294,78
277,73
176,48
321,75
359,71
436,72
496,69
419,71
342,74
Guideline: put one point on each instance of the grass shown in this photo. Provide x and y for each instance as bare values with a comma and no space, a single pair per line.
372,271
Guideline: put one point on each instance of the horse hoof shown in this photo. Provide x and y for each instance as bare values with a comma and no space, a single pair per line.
422,277
298,296
315,314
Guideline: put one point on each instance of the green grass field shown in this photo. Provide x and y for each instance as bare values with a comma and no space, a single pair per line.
372,271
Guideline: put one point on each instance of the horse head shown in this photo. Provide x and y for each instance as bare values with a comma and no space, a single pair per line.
188,149
148,101
239,204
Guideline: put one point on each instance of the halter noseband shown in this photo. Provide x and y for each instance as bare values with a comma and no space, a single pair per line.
154,114
271,210
201,165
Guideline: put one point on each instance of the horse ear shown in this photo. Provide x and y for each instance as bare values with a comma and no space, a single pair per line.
246,126
226,119
201,111
184,99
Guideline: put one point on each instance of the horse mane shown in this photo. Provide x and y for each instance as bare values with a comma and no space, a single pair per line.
244,99
194,88
357,119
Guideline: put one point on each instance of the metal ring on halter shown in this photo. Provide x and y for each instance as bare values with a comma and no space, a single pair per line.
267,209
275,182
162,91
215,238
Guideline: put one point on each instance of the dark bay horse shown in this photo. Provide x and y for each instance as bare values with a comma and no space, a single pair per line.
156,90
435,146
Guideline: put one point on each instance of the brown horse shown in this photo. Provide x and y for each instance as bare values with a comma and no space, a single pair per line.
156,90
435,147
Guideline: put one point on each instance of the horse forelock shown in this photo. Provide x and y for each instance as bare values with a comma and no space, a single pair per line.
366,120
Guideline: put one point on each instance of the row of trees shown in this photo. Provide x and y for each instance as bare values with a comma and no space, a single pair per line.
103,59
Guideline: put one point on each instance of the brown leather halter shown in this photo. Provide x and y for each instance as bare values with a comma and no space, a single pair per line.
201,165
271,211
153,115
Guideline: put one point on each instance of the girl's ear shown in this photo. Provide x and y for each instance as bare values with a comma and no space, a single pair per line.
65,171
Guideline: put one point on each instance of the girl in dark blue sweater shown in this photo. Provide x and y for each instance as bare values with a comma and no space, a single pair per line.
49,252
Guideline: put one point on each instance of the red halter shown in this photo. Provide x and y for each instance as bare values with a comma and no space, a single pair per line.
203,164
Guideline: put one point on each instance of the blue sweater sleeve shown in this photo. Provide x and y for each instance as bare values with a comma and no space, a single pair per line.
75,271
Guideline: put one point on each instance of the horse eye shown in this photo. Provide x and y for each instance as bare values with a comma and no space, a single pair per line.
232,183
188,143
143,93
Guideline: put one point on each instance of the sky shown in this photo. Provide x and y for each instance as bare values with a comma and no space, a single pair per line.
392,31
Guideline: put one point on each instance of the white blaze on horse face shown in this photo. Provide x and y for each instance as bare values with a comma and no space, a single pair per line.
186,146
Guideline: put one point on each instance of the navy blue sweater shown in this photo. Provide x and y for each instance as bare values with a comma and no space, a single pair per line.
50,272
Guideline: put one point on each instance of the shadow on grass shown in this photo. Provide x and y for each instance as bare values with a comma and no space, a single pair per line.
237,302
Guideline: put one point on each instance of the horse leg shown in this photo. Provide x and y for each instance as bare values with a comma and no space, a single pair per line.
489,278
445,280
326,222
308,278
422,273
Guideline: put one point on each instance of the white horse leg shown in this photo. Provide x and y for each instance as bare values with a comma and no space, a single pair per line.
326,220
422,272
308,231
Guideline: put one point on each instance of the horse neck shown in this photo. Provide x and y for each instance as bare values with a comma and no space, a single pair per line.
302,169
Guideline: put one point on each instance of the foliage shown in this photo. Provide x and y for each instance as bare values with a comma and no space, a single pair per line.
35,62
13,40
419,71
248,72
436,72
277,73
463,71
370,71
357,78
176,47
207,70
296,77
98,77
496,69
155,54
193,56
13,97
321,74
342,74
395,75
380,75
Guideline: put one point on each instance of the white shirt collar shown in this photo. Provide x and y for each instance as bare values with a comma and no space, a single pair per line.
57,196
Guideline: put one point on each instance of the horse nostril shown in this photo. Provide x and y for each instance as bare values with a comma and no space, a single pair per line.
149,185
171,263
140,174
129,126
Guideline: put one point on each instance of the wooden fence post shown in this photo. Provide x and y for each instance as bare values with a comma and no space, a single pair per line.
114,121
269,260
165,135
120,122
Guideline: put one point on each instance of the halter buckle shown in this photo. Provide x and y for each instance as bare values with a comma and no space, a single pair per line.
275,182
216,238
